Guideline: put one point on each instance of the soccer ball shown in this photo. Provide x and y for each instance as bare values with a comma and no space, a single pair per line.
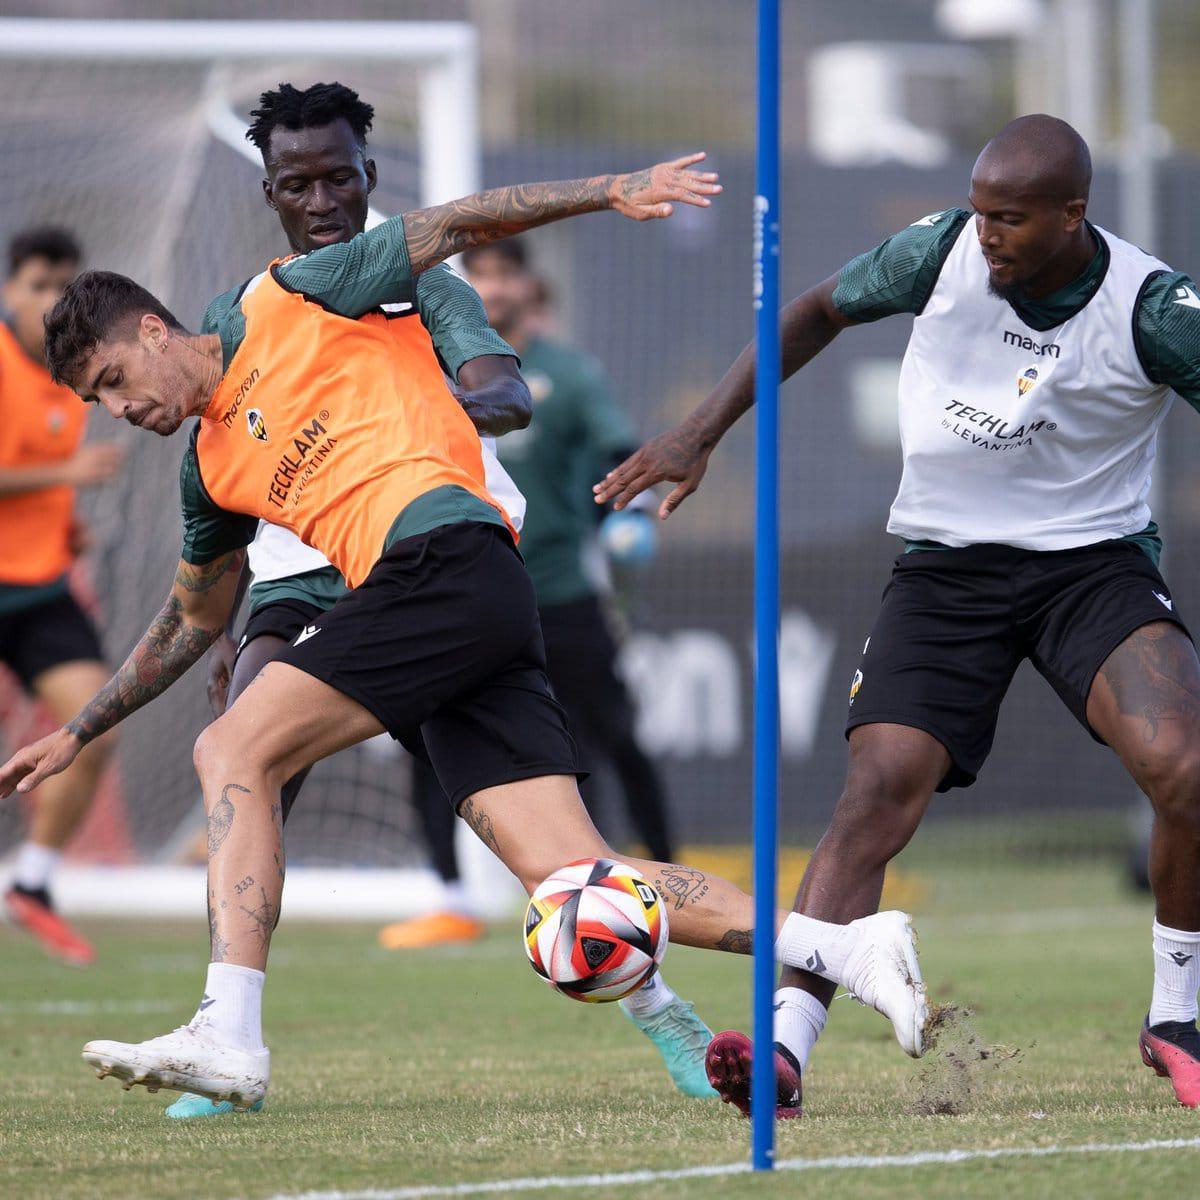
595,930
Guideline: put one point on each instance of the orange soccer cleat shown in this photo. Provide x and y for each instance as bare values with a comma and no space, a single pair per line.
33,912
432,929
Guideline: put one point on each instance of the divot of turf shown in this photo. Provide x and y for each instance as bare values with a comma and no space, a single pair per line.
952,1073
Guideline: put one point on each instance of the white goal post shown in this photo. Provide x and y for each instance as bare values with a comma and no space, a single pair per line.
444,53
163,96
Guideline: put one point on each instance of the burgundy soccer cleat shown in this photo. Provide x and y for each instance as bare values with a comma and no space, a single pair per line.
727,1062
1172,1048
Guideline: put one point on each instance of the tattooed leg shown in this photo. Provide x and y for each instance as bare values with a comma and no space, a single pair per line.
537,825
1145,703
245,881
243,759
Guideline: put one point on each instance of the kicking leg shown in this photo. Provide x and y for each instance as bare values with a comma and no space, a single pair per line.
1145,703
536,825
60,804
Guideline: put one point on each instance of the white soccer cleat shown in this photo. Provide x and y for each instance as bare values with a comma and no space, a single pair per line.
882,972
188,1060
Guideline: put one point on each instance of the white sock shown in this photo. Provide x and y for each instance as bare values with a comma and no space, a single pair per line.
1176,975
232,1006
817,946
799,1019
35,865
650,999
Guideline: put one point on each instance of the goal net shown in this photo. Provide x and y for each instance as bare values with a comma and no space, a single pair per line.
131,134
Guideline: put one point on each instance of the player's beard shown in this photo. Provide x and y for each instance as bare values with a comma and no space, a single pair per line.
1009,292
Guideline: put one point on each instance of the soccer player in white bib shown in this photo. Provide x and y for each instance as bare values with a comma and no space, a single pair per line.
1042,361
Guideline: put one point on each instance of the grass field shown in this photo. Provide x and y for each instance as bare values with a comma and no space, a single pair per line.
455,1066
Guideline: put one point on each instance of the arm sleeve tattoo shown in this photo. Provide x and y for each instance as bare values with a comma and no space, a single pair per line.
434,234
171,645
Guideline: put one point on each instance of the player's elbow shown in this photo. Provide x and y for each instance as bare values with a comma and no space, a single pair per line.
522,404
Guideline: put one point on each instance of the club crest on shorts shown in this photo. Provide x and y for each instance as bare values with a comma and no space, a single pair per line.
1026,380
257,425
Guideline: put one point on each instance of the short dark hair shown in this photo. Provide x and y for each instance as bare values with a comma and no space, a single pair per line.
512,248
50,242
323,103
93,305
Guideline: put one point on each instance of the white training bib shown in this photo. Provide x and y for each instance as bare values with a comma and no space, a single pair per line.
1043,441
277,553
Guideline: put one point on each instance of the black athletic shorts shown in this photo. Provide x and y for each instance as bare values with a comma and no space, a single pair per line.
956,624
442,643
280,618
46,635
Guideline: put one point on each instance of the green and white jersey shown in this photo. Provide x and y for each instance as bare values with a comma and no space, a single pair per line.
370,271
1029,424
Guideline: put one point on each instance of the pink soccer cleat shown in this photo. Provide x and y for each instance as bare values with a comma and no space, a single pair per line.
727,1063
1172,1048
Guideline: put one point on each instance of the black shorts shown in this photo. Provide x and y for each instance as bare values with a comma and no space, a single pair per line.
46,635
281,618
441,642
956,624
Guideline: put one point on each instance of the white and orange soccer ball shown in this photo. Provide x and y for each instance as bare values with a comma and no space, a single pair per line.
595,930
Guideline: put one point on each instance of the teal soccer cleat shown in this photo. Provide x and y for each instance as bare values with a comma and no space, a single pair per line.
190,1105
682,1039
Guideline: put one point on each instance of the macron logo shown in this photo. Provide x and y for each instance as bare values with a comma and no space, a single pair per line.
1187,297
1166,603
307,632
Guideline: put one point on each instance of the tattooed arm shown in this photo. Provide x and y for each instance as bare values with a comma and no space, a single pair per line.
188,623
434,234
808,324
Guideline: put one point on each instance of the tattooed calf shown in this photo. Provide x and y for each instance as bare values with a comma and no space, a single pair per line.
265,917
220,820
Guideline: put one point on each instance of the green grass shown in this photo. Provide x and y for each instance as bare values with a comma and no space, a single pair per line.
457,1065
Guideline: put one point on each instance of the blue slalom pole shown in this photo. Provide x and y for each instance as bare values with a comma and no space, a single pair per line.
766,584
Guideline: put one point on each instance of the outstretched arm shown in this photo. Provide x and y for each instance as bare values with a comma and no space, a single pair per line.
434,234
188,623
808,324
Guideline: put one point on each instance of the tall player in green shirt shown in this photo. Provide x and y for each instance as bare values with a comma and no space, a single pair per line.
1041,364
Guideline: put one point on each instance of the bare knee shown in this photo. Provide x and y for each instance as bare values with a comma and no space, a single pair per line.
1172,782
222,756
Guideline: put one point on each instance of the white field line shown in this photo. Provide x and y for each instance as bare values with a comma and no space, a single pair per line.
83,1008
839,1163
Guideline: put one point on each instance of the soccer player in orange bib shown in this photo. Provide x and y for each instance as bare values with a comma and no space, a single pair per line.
46,639
317,412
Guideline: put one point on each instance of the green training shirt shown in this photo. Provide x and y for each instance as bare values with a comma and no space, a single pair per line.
351,278
898,276
577,428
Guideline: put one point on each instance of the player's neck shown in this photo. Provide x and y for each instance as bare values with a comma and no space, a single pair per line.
1066,266
207,369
